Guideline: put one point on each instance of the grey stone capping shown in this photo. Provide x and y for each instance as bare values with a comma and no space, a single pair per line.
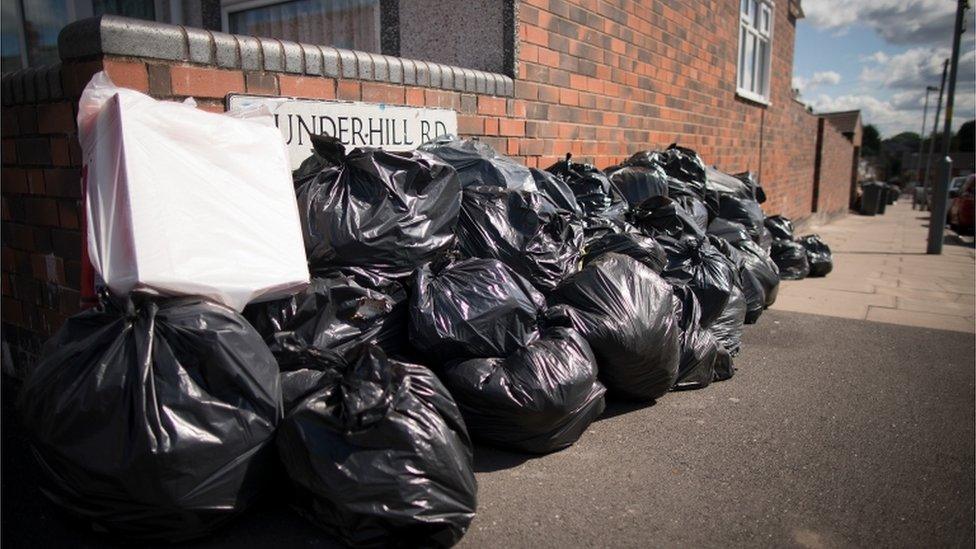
423,74
199,46
313,59
227,54
294,58
347,63
381,69
409,71
330,61
17,87
249,50
364,64
40,84
113,35
274,58
395,66
434,75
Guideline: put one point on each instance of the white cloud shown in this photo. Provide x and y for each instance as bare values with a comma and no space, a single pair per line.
903,112
896,21
820,78
915,68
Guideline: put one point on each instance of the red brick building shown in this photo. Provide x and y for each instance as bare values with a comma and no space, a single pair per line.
598,78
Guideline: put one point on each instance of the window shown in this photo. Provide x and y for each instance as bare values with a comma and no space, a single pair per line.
755,37
350,24
30,28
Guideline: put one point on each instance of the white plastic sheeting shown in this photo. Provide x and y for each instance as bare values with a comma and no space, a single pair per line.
186,202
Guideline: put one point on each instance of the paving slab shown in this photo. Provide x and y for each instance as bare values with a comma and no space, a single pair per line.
885,256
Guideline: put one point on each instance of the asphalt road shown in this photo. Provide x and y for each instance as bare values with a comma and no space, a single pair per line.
833,433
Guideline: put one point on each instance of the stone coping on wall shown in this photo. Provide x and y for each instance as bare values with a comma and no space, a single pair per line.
32,85
122,36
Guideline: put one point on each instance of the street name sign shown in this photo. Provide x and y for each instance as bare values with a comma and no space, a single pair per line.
355,124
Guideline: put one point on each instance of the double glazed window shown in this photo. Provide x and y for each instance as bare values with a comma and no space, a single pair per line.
30,28
755,39
351,24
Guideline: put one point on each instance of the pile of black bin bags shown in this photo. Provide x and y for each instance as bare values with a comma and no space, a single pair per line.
798,257
456,295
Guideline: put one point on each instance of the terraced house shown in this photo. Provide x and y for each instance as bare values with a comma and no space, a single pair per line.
536,79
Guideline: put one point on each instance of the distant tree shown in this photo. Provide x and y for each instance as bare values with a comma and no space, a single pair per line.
870,141
963,140
903,139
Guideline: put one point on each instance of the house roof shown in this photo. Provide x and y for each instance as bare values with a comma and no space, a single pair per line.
844,121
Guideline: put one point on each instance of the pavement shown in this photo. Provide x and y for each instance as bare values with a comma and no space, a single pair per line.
834,432
882,274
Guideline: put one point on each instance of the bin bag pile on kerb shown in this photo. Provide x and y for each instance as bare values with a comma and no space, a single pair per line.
790,256
522,381
444,294
181,201
818,255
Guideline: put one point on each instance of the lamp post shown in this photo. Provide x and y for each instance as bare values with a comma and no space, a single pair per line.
940,196
921,135
935,128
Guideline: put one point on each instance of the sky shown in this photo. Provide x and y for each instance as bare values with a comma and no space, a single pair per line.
878,56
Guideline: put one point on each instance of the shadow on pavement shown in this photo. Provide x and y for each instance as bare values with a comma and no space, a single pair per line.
956,240
488,459
620,407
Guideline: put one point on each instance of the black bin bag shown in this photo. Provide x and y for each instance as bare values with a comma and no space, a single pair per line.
625,311
557,191
780,228
524,230
154,420
336,314
378,454
339,310
594,192
539,399
702,267
686,179
761,268
753,295
727,328
791,259
472,308
638,246
818,255
638,183
699,349
661,216
478,164
382,211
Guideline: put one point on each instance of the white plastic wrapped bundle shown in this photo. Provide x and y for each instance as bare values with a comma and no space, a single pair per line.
186,202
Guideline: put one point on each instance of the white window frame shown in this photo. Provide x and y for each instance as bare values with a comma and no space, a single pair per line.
761,65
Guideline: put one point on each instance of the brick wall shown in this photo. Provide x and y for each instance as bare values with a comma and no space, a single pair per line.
598,78
41,244
836,164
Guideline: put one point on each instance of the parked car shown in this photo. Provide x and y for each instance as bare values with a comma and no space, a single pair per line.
962,205
955,184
